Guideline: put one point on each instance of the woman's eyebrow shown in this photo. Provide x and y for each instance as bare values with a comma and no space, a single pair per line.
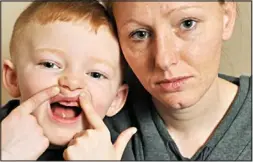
132,21
165,10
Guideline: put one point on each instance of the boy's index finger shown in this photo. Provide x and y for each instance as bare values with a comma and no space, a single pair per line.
35,101
94,120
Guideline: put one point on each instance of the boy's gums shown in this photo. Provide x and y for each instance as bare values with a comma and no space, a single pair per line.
66,69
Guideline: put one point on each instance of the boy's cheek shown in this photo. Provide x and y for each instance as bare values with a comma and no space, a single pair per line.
34,84
101,97
101,109
29,89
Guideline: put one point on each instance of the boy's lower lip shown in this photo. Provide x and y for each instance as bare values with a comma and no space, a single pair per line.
61,120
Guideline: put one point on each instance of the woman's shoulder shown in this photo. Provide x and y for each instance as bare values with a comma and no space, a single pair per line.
137,105
244,82
241,107
242,79
118,123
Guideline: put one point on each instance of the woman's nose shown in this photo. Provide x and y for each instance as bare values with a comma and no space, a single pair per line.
71,82
165,52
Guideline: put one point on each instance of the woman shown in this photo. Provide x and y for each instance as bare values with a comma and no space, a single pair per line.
185,110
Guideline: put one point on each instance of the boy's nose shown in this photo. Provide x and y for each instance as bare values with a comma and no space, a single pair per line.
71,83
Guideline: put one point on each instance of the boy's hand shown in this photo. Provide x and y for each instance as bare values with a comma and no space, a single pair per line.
95,143
21,136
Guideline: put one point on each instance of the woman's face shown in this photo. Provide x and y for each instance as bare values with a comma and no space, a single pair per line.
174,48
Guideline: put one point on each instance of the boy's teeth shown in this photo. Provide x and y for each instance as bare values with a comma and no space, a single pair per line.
64,113
66,103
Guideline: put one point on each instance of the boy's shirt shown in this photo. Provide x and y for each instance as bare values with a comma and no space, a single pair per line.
49,154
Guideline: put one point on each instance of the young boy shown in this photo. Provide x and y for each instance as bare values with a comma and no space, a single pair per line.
65,61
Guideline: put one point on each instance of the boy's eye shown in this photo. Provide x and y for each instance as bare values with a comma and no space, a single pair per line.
97,75
188,24
49,65
140,34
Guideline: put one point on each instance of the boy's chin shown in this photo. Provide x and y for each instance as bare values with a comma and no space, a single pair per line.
60,143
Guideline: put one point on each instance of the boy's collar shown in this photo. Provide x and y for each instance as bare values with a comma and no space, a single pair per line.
56,147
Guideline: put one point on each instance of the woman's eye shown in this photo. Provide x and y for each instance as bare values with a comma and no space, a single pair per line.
49,65
188,24
140,35
96,75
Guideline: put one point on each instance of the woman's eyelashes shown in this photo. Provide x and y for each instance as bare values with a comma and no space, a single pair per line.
188,28
49,65
188,24
185,25
140,34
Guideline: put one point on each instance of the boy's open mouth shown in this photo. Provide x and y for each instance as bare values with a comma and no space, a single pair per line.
65,108
66,112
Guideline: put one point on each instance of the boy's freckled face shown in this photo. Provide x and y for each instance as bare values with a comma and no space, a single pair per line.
75,57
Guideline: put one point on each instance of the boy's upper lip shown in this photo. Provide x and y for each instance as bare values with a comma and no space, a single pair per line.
61,98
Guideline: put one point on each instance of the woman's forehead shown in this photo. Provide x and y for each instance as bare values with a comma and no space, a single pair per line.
126,12
163,6
171,6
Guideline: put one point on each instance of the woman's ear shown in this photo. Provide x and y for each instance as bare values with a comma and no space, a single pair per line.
230,11
119,101
10,79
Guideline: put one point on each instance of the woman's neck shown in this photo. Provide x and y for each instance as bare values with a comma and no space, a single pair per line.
191,127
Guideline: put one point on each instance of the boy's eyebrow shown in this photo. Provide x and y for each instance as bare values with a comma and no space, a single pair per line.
93,59
51,50
102,61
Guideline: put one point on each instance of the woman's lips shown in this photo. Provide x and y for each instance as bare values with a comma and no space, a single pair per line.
173,84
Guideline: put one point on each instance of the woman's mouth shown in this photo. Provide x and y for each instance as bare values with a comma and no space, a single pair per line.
173,84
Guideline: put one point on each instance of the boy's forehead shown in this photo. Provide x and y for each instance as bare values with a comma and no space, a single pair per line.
55,32
68,37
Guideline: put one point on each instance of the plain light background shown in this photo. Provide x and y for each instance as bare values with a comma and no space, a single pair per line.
236,57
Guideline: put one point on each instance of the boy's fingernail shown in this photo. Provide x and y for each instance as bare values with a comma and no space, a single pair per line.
82,94
134,130
56,90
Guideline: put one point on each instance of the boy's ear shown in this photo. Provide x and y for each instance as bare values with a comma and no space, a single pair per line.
10,79
119,101
229,18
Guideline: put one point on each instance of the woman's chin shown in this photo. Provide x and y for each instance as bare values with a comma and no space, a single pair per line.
177,102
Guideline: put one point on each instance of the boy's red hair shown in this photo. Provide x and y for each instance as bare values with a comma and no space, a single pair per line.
48,12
